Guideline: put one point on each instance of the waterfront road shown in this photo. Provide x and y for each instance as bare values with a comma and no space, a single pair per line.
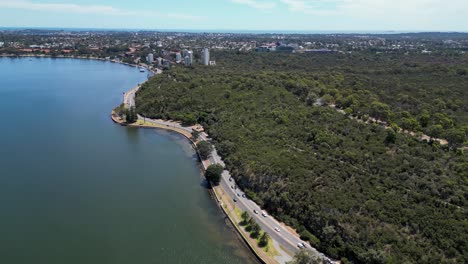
285,237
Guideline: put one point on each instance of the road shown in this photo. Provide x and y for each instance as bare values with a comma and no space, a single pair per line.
285,237
129,96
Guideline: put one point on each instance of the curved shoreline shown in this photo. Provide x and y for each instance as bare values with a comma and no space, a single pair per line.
187,135
260,256
204,166
223,202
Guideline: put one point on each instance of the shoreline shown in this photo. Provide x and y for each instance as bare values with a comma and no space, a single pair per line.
261,256
204,166
76,57
259,253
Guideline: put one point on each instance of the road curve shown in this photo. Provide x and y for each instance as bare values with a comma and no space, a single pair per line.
285,237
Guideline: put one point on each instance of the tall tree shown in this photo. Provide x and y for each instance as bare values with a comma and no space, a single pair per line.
204,148
213,173
255,230
264,239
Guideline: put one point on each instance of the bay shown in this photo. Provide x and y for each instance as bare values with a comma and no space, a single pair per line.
77,188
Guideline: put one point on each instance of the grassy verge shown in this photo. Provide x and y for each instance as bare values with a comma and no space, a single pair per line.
235,214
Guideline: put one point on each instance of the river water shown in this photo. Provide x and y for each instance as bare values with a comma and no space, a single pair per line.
77,188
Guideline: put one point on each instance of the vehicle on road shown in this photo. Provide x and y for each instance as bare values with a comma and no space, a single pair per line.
255,211
264,214
243,195
299,245
230,179
235,200
238,194
232,186
303,245
277,229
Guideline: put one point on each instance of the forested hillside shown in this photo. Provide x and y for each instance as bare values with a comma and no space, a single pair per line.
355,190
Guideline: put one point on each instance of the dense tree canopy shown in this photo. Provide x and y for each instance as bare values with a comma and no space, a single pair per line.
204,148
213,173
353,189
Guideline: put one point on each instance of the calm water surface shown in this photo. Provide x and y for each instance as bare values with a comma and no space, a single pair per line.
76,188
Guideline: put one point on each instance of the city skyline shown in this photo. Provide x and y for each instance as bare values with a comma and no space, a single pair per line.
239,15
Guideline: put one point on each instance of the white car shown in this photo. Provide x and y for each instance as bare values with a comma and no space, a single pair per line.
264,214
299,245
277,229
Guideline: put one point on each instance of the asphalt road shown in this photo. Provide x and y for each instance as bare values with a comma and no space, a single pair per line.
268,224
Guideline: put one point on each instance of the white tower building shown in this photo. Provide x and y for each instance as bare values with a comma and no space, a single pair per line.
205,57
150,58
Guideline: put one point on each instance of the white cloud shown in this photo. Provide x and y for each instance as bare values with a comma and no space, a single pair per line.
88,9
398,14
325,7
57,7
256,4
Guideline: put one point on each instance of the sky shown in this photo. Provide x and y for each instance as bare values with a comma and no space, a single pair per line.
284,15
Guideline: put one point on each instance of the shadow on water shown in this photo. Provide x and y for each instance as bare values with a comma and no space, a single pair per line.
133,134
204,183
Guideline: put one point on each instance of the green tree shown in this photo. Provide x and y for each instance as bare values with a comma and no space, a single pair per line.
245,218
305,257
391,136
424,118
195,135
131,115
213,173
379,110
456,137
435,130
204,148
255,230
264,239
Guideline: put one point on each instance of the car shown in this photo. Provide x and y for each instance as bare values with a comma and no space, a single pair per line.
238,194
299,245
277,229
304,245
230,179
232,186
243,195
255,211
235,200
264,214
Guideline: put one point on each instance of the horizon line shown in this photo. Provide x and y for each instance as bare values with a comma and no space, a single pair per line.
270,31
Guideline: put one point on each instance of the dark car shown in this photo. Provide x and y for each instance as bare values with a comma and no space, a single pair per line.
235,200
243,195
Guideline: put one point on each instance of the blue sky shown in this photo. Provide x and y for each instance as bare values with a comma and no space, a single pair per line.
312,15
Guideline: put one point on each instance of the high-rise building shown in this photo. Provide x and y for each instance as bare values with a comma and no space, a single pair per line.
187,61
178,56
189,58
159,60
150,58
205,57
